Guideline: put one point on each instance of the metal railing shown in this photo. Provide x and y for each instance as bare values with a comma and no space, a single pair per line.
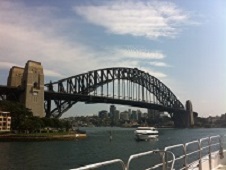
131,158
102,164
166,164
199,143
163,154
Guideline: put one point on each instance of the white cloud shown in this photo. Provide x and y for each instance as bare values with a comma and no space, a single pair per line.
25,45
154,73
132,58
7,65
25,37
26,34
52,73
140,54
150,19
159,64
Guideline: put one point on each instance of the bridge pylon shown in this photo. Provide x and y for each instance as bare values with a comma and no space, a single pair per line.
31,80
184,118
189,109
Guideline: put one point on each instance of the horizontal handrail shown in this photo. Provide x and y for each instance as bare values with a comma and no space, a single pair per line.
210,144
101,164
173,146
162,153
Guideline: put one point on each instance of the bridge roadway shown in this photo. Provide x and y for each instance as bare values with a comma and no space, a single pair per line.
6,90
90,99
13,92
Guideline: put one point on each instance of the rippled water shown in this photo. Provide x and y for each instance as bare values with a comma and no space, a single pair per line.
58,155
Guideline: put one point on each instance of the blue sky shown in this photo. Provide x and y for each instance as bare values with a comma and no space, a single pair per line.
182,43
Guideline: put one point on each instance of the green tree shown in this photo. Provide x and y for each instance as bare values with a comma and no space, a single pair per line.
18,111
66,125
48,122
32,124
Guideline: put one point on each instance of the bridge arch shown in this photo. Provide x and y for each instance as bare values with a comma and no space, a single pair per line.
121,78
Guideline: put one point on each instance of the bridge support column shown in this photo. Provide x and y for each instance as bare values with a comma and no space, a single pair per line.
184,118
15,80
189,109
31,79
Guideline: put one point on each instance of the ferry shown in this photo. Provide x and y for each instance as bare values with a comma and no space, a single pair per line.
207,155
146,133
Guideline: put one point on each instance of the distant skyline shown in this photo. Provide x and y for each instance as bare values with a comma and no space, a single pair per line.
182,43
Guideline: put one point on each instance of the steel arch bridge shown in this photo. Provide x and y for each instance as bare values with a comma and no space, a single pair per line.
117,85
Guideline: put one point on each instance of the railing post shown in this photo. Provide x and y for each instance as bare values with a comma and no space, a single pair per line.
200,156
221,153
210,162
185,157
163,162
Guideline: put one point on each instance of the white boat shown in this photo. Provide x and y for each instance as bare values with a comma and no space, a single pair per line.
146,133
207,154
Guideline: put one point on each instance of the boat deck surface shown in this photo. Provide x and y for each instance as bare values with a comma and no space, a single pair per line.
220,167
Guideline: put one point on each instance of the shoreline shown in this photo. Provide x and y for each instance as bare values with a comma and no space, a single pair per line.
37,138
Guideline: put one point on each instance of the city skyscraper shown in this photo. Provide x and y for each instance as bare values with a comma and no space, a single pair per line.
112,110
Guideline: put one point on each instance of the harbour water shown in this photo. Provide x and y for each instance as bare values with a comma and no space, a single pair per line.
63,155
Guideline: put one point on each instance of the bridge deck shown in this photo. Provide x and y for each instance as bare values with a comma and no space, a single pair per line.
88,99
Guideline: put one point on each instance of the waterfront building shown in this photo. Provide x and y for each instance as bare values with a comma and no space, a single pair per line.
5,121
103,114
124,115
213,120
130,112
112,110
223,116
116,116
134,115
145,115
139,115
153,114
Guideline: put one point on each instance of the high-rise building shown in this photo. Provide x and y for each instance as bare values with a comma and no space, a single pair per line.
134,115
130,112
139,114
112,110
116,116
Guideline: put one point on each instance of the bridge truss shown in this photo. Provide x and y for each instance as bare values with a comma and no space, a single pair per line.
118,85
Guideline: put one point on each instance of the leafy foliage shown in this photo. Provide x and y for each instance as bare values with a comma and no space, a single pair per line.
23,119
18,112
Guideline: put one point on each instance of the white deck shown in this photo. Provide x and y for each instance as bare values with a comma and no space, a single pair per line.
217,162
220,164
221,167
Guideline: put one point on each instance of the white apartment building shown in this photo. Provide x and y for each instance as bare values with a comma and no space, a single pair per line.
5,121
